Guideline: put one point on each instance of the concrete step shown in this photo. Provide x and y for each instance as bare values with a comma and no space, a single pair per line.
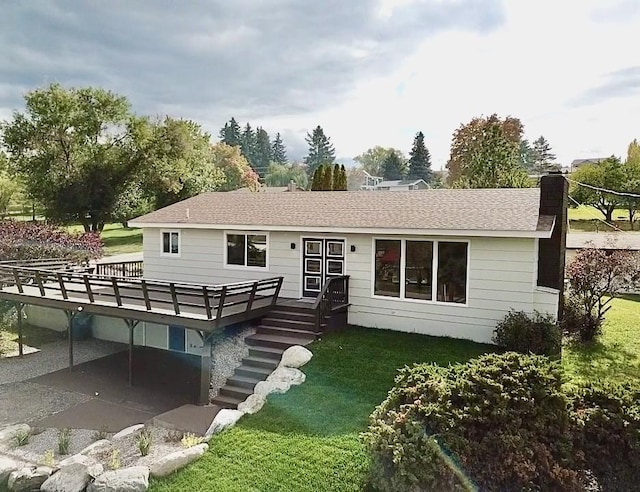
243,381
276,341
284,332
224,401
289,323
259,373
266,352
236,392
261,362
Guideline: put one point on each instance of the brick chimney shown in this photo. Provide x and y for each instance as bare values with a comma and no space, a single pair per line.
554,191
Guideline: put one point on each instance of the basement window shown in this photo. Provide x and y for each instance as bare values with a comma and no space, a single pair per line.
171,243
246,250
421,270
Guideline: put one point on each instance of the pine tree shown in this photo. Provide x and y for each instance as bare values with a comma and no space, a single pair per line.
262,152
335,179
321,150
544,158
278,151
393,167
230,133
420,160
248,145
527,156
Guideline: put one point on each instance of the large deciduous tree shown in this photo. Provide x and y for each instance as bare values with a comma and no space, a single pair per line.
278,151
283,174
631,182
469,138
373,159
321,151
75,151
394,166
235,167
486,154
420,160
8,186
606,175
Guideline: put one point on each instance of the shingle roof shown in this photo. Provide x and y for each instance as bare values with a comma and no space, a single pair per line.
435,209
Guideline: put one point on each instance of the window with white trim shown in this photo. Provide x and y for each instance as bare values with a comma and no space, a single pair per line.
409,269
249,250
171,243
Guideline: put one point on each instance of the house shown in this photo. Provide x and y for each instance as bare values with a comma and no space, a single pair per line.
610,241
443,262
577,163
376,183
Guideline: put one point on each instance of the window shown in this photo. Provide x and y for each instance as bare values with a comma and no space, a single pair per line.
248,250
387,281
422,270
170,243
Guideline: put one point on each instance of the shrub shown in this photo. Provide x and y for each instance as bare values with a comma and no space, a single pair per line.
114,460
101,434
576,323
606,429
48,459
22,438
537,334
64,441
143,441
501,418
173,436
189,440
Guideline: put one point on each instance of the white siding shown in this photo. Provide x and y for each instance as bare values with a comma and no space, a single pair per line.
502,276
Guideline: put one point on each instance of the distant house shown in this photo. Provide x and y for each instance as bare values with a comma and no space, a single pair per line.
577,163
376,183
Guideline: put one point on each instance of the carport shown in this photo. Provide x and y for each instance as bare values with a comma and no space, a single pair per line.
204,309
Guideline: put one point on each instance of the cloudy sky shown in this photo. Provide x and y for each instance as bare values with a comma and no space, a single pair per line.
371,72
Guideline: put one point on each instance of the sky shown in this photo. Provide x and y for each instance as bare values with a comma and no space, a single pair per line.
370,72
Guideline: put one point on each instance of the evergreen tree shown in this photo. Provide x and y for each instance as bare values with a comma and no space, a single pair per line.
420,160
278,151
335,179
316,183
342,182
527,156
321,150
544,158
248,145
393,167
262,152
230,133
327,177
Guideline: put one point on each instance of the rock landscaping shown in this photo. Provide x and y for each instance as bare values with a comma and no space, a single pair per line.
100,462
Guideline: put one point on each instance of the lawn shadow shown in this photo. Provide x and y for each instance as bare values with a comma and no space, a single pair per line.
598,361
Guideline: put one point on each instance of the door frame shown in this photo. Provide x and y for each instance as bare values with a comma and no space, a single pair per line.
301,262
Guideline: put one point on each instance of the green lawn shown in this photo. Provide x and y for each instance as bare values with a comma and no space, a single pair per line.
307,439
117,239
32,336
616,355
588,219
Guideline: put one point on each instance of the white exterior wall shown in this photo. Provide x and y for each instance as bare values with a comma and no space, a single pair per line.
502,276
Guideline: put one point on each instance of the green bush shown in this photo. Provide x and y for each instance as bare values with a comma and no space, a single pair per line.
576,323
499,421
537,334
606,427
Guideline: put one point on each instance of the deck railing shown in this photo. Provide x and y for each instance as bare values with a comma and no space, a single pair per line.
128,269
200,301
335,292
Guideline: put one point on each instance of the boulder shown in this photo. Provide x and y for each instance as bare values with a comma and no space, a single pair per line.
9,433
252,404
72,478
128,431
287,375
296,356
264,388
96,447
77,459
174,461
224,419
7,466
28,478
132,479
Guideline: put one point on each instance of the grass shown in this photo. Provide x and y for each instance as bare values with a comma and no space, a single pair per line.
616,355
117,239
308,438
32,336
589,219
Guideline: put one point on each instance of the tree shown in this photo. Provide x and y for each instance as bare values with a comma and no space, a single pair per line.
262,152
235,168
468,138
321,150
544,159
373,159
8,187
631,182
278,151
484,156
420,160
327,178
607,175
527,156
316,181
248,145
596,276
394,167
335,177
76,150
342,183
230,134
283,174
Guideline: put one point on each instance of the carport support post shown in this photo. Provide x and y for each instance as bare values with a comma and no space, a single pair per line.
19,307
70,315
205,371
131,324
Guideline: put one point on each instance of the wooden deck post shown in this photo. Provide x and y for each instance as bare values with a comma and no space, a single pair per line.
205,372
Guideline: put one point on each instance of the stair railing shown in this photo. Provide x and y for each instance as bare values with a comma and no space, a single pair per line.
335,292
